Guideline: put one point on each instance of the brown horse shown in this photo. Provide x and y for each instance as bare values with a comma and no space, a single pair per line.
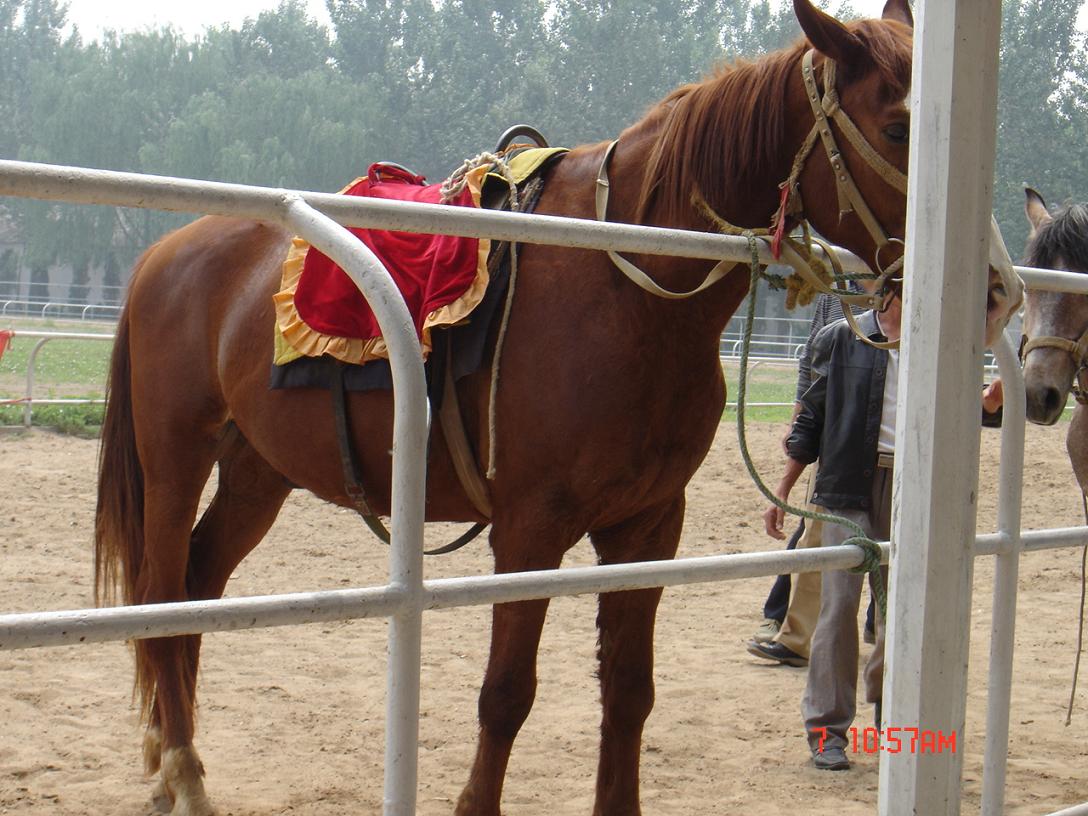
609,397
1055,351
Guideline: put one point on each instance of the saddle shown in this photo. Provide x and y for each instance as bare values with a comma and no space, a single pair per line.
453,335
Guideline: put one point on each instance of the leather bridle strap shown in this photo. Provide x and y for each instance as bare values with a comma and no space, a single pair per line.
1078,349
850,198
825,108
633,273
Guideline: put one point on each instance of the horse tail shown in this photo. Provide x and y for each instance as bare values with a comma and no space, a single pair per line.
119,513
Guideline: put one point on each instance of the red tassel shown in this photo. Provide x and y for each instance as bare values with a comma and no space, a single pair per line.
780,222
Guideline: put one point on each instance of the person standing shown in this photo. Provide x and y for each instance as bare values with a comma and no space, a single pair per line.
846,421
790,617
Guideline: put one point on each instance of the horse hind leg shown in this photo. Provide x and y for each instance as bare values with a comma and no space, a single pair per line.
625,623
247,500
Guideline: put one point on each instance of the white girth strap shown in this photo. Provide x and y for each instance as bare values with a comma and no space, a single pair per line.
633,273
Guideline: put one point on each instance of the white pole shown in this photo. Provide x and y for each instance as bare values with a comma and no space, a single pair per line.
409,489
1076,810
1006,574
953,110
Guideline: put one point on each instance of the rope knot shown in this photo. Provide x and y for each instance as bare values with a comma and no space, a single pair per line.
871,560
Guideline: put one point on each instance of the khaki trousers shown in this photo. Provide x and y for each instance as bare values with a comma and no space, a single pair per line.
804,607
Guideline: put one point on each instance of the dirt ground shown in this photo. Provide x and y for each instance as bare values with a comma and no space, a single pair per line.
291,719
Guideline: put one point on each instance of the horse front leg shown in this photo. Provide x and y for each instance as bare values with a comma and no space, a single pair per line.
625,623
509,686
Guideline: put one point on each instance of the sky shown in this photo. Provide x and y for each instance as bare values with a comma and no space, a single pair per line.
193,16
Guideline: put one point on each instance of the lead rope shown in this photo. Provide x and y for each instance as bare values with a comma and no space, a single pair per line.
1080,624
870,548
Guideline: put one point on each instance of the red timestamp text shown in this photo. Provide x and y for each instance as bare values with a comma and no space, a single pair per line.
894,740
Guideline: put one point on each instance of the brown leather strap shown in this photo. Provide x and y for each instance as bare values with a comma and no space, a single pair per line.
352,484
354,487
453,428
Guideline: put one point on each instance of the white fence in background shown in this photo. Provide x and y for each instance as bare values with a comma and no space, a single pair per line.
28,400
407,595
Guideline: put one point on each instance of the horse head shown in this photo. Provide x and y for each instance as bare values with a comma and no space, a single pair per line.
1055,349
870,60
816,132
851,185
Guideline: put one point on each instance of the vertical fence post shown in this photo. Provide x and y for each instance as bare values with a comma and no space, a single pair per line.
409,444
1006,575
953,115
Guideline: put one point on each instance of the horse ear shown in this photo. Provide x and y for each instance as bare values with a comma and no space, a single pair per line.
1035,208
898,10
828,35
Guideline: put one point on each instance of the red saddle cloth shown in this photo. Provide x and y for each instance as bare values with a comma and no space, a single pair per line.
441,277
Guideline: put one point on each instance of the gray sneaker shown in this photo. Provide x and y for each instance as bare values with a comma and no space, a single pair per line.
831,759
767,630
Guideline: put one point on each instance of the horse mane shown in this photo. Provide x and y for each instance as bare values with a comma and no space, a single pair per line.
727,132
1062,241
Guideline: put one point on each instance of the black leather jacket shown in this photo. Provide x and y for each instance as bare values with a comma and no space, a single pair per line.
839,422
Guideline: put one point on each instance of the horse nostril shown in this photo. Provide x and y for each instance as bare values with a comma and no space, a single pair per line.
1052,401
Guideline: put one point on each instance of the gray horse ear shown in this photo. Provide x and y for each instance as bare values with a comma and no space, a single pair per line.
1035,208
828,36
898,10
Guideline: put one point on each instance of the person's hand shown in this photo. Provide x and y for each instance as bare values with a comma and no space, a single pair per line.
993,396
785,439
773,519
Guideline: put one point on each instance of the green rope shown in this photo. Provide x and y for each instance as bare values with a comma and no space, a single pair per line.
870,548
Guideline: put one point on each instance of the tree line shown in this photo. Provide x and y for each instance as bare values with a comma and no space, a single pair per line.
285,101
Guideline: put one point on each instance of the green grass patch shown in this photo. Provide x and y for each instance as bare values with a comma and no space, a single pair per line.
767,383
77,420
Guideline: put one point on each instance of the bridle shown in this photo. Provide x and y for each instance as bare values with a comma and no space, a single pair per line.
1077,349
825,108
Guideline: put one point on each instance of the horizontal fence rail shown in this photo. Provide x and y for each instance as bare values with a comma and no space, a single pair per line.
84,186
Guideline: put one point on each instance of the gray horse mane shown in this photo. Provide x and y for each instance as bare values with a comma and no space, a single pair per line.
1062,242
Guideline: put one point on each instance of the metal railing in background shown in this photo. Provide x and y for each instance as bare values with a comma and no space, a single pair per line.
28,400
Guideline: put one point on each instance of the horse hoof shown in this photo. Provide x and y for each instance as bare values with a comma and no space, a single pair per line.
161,799
182,774
193,808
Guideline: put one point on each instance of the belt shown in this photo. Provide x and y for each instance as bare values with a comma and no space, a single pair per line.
885,460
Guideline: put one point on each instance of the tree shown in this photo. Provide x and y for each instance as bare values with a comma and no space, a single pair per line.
1042,113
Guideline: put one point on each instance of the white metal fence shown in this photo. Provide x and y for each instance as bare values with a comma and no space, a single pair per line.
407,594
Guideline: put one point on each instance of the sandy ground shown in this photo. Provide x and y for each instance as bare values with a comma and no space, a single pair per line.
291,719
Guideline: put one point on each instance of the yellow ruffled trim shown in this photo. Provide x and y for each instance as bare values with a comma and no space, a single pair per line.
294,338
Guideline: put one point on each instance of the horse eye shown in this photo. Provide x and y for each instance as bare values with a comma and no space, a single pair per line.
897,133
